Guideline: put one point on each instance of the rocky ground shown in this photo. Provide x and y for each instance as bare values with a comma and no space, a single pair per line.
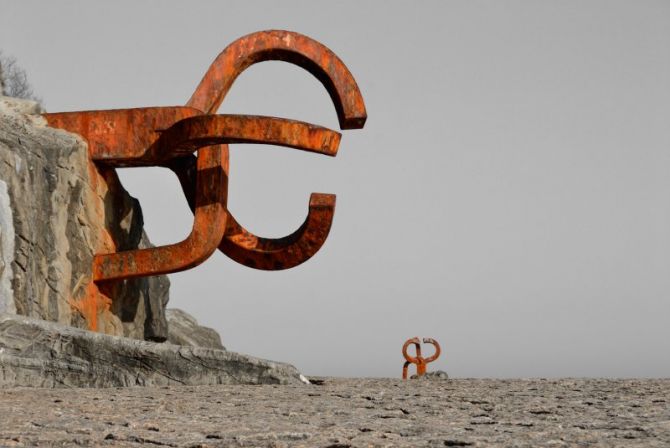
346,413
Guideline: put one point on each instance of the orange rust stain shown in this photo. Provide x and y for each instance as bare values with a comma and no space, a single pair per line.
92,306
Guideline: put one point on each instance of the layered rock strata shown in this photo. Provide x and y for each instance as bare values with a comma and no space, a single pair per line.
37,353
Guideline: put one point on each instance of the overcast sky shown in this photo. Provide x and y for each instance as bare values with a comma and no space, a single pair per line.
509,195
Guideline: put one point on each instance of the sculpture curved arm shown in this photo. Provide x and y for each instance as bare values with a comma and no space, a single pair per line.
438,350
282,46
208,227
189,134
407,356
274,254
238,243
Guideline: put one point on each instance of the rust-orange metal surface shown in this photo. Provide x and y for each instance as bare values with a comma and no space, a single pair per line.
208,227
282,46
121,137
170,137
419,360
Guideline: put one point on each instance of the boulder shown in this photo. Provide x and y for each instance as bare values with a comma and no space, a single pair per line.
183,329
36,353
434,375
57,210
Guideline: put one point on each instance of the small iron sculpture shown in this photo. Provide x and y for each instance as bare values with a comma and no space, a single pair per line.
419,360
168,137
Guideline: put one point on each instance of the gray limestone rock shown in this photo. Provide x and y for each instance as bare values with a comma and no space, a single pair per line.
13,106
38,353
57,210
434,375
183,329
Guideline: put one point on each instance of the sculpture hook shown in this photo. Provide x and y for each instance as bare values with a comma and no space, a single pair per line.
238,243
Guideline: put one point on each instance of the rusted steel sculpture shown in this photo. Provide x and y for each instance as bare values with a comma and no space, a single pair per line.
419,360
169,137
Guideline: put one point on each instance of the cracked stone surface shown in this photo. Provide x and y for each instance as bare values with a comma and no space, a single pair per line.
347,413
38,353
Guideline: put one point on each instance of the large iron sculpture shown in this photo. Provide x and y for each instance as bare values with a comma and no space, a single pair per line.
169,137
419,360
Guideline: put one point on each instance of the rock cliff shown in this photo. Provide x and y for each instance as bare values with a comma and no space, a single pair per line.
56,211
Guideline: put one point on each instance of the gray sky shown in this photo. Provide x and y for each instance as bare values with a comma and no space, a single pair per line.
509,195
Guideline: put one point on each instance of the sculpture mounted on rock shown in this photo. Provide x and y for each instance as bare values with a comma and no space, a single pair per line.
419,360
168,137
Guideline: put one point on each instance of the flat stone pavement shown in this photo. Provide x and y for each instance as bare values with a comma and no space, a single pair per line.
346,413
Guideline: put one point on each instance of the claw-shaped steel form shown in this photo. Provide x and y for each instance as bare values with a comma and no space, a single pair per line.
419,360
169,137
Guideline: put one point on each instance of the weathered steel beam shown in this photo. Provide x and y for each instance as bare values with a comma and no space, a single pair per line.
121,137
189,134
279,45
